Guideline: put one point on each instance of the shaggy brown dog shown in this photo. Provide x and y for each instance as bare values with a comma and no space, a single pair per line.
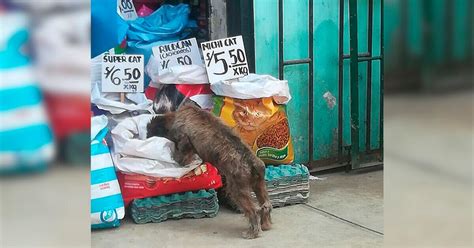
197,131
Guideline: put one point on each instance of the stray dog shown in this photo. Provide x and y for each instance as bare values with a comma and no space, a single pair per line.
196,131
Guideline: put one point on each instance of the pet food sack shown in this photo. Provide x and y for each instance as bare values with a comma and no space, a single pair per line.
261,123
107,207
253,106
26,140
137,186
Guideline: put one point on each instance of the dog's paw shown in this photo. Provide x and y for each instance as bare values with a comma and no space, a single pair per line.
250,234
266,226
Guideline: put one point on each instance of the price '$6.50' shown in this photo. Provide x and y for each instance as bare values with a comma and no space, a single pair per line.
122,73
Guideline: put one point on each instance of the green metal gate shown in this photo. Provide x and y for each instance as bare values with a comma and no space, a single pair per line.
425,39
328,50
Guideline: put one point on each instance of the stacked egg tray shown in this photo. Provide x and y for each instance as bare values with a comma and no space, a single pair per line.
286,185
200,204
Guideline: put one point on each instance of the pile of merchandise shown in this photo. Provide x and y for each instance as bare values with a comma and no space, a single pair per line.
146,180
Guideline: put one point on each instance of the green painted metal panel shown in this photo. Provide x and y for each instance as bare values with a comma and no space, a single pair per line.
295,29
362,30
377,28
295,46
326,56
326,62
376,78
346,117
297,109
375,107
266,37
438,34
415,35
392,33
461,29
437,30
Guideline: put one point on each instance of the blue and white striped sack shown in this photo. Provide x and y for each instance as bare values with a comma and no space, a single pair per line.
107,207
26,140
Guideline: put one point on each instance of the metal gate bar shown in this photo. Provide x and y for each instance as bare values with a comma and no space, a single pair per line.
341,82
354,65
355,58
282,63
382,71
368,112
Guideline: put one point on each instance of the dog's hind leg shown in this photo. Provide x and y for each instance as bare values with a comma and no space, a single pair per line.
260,189
243,200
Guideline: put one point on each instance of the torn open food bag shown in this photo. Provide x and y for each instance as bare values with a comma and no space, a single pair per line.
135,186
133,152
254,107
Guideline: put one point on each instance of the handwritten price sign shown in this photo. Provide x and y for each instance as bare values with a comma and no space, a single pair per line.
122,73
183,52
225,59
126,9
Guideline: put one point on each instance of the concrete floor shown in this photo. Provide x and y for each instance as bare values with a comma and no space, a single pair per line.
343,210
427,191
428,170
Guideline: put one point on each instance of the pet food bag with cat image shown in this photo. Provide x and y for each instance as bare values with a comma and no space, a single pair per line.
254,108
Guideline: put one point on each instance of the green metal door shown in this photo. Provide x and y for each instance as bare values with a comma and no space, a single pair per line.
427,38
309,43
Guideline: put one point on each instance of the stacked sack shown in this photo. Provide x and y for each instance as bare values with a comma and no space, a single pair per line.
107,207
26,140
254,106
152,185
150,179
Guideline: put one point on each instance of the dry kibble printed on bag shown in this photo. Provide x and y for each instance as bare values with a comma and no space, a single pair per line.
261,123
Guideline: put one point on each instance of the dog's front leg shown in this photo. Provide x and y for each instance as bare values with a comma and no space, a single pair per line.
184,153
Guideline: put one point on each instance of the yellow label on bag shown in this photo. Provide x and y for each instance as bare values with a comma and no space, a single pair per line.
261,123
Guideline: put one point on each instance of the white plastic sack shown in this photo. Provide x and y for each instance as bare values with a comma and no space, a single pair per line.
254,86
111,101
60,48
182,74
134,153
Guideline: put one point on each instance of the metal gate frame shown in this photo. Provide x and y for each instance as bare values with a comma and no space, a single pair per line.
355,159
240,21
355,58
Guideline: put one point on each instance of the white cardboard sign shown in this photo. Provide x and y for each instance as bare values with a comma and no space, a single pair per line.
225,59
183,52
122,73
126,10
